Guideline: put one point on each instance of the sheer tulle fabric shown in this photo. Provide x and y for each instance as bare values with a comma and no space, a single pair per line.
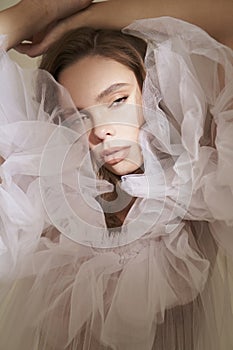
164,281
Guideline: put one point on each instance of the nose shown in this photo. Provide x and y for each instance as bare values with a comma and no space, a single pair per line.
102,125
103,131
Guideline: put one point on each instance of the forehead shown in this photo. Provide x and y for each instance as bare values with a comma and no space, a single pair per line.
88,77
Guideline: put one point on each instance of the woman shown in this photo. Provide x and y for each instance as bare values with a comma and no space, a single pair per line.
74,296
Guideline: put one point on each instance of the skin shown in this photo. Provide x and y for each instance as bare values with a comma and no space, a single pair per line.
34,19
45,21
108,97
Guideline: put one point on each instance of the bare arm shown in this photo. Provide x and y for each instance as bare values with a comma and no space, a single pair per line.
29,17
18,26
214,16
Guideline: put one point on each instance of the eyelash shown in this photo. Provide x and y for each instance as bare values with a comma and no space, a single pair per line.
115,103
84,116
119,101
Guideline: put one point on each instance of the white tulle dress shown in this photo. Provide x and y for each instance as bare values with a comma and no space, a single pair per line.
164,280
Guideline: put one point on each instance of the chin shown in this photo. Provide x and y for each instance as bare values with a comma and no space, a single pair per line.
124,168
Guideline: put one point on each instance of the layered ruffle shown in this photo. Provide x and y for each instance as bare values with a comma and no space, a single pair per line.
164,281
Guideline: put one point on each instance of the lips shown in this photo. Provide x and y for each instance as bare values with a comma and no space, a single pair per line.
115,154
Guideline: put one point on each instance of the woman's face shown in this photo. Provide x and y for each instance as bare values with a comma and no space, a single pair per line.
109,99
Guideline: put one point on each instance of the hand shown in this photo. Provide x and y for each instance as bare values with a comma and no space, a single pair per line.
41,41
96,15
29,17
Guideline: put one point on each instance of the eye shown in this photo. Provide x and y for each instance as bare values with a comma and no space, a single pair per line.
75,120
84,116
70,122
119,101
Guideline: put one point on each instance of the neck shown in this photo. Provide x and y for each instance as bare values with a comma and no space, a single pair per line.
110,201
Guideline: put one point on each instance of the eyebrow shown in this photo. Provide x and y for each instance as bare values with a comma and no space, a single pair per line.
112,88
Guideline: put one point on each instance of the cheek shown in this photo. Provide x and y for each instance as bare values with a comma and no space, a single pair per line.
91,139
129,133
141,119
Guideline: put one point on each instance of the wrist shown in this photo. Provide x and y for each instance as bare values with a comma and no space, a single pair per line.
21,22
35,16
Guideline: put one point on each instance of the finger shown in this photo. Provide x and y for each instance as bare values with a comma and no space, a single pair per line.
31,50
42,41
39,48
